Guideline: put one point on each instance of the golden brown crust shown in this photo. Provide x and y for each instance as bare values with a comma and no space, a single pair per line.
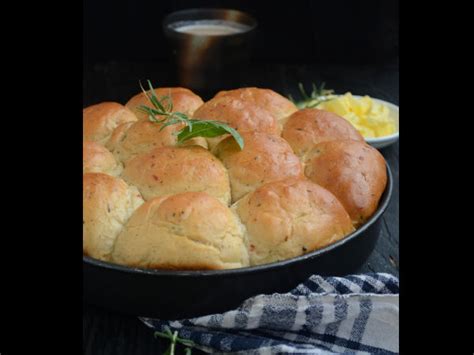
185,231
353,171
133,138
129,140
238,114
184,100
265,158
97,159
306,128
100,120
117,136
108,202
185,223
276,104
290,217
171,170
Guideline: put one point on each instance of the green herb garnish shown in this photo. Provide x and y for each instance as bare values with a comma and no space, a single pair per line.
317,96
174,339
162,112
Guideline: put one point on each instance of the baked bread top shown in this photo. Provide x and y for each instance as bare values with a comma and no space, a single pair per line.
265,158
291,217
186,231
241,115
353,171
279,106
108,202
184,100
151,202
171,170
308,127
97,159
100,120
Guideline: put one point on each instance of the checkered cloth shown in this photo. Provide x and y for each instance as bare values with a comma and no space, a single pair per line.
357,314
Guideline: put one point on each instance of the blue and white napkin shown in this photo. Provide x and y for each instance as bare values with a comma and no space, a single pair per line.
357,314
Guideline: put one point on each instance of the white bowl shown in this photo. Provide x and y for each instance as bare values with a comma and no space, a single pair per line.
381,142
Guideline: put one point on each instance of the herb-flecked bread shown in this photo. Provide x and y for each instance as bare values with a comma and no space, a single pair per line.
243,179
187,231
291,217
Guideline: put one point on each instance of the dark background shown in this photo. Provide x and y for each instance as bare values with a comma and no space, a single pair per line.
297,31
350,45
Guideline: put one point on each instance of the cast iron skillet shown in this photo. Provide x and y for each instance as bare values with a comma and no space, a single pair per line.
184,294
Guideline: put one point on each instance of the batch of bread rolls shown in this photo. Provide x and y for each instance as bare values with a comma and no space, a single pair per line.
304,180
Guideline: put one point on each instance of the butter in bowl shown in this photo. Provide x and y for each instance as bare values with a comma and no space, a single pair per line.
376,120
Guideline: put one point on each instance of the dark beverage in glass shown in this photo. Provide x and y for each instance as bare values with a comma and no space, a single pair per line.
210,48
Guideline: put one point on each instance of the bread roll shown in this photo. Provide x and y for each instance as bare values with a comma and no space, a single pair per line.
170,170
118,135
306,128
290,217
353,171
108,202
131,139
97,159
265,158
100,120
238,114
277,105
184,100
186,231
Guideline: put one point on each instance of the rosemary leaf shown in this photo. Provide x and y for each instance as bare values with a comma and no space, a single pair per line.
173,342
169,122
303,92
181,115
202,129
174,339
209,129
321,89
157,103
315,92
317,96
192,127
151,95
149,110
169,102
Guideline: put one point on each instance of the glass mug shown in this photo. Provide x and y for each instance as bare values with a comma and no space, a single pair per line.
210,48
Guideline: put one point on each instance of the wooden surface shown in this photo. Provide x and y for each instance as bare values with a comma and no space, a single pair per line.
110,333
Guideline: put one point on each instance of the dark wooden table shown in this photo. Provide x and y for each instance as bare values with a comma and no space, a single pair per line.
106,332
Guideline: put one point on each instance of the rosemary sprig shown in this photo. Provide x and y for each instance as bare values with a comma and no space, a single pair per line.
162,112
317,96
174,339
